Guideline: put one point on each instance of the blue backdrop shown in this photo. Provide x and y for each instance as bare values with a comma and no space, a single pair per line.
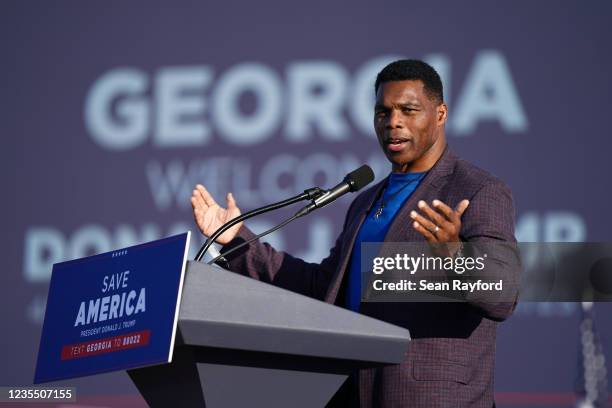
113,111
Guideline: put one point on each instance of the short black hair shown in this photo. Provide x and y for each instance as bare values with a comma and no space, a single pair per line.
415,70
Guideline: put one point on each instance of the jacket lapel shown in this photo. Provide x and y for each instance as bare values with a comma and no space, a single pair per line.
401,229
350,233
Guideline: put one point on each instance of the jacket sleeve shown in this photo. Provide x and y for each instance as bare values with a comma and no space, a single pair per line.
262,262
488,228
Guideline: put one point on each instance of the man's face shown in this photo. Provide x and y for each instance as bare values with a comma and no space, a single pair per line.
409,125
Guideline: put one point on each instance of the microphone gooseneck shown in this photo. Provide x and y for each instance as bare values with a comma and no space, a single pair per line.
354,181
309,194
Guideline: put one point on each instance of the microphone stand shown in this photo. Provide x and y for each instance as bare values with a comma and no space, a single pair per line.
310,194
279,226
300,213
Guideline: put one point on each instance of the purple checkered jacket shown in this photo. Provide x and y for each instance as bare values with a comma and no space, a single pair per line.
451,358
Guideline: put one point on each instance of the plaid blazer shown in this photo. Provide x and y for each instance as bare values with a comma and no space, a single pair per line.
450,361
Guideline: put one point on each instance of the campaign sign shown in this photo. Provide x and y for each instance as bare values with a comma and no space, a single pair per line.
113,311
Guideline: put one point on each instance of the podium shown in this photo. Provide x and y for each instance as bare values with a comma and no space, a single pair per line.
243,342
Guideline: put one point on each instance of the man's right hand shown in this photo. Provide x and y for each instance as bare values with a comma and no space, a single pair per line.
209,216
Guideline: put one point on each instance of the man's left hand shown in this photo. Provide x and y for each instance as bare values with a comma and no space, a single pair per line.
440,225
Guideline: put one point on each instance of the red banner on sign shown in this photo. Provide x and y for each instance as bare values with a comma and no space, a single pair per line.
106,345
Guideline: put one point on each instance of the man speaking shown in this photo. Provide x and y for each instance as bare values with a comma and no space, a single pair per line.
430,195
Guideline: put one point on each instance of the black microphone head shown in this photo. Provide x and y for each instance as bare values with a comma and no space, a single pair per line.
357,179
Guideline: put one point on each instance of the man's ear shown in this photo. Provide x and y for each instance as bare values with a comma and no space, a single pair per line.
442,112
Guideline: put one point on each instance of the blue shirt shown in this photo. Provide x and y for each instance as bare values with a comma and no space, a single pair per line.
399,187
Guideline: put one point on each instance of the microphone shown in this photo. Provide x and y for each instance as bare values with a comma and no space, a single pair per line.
354,181
309,194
